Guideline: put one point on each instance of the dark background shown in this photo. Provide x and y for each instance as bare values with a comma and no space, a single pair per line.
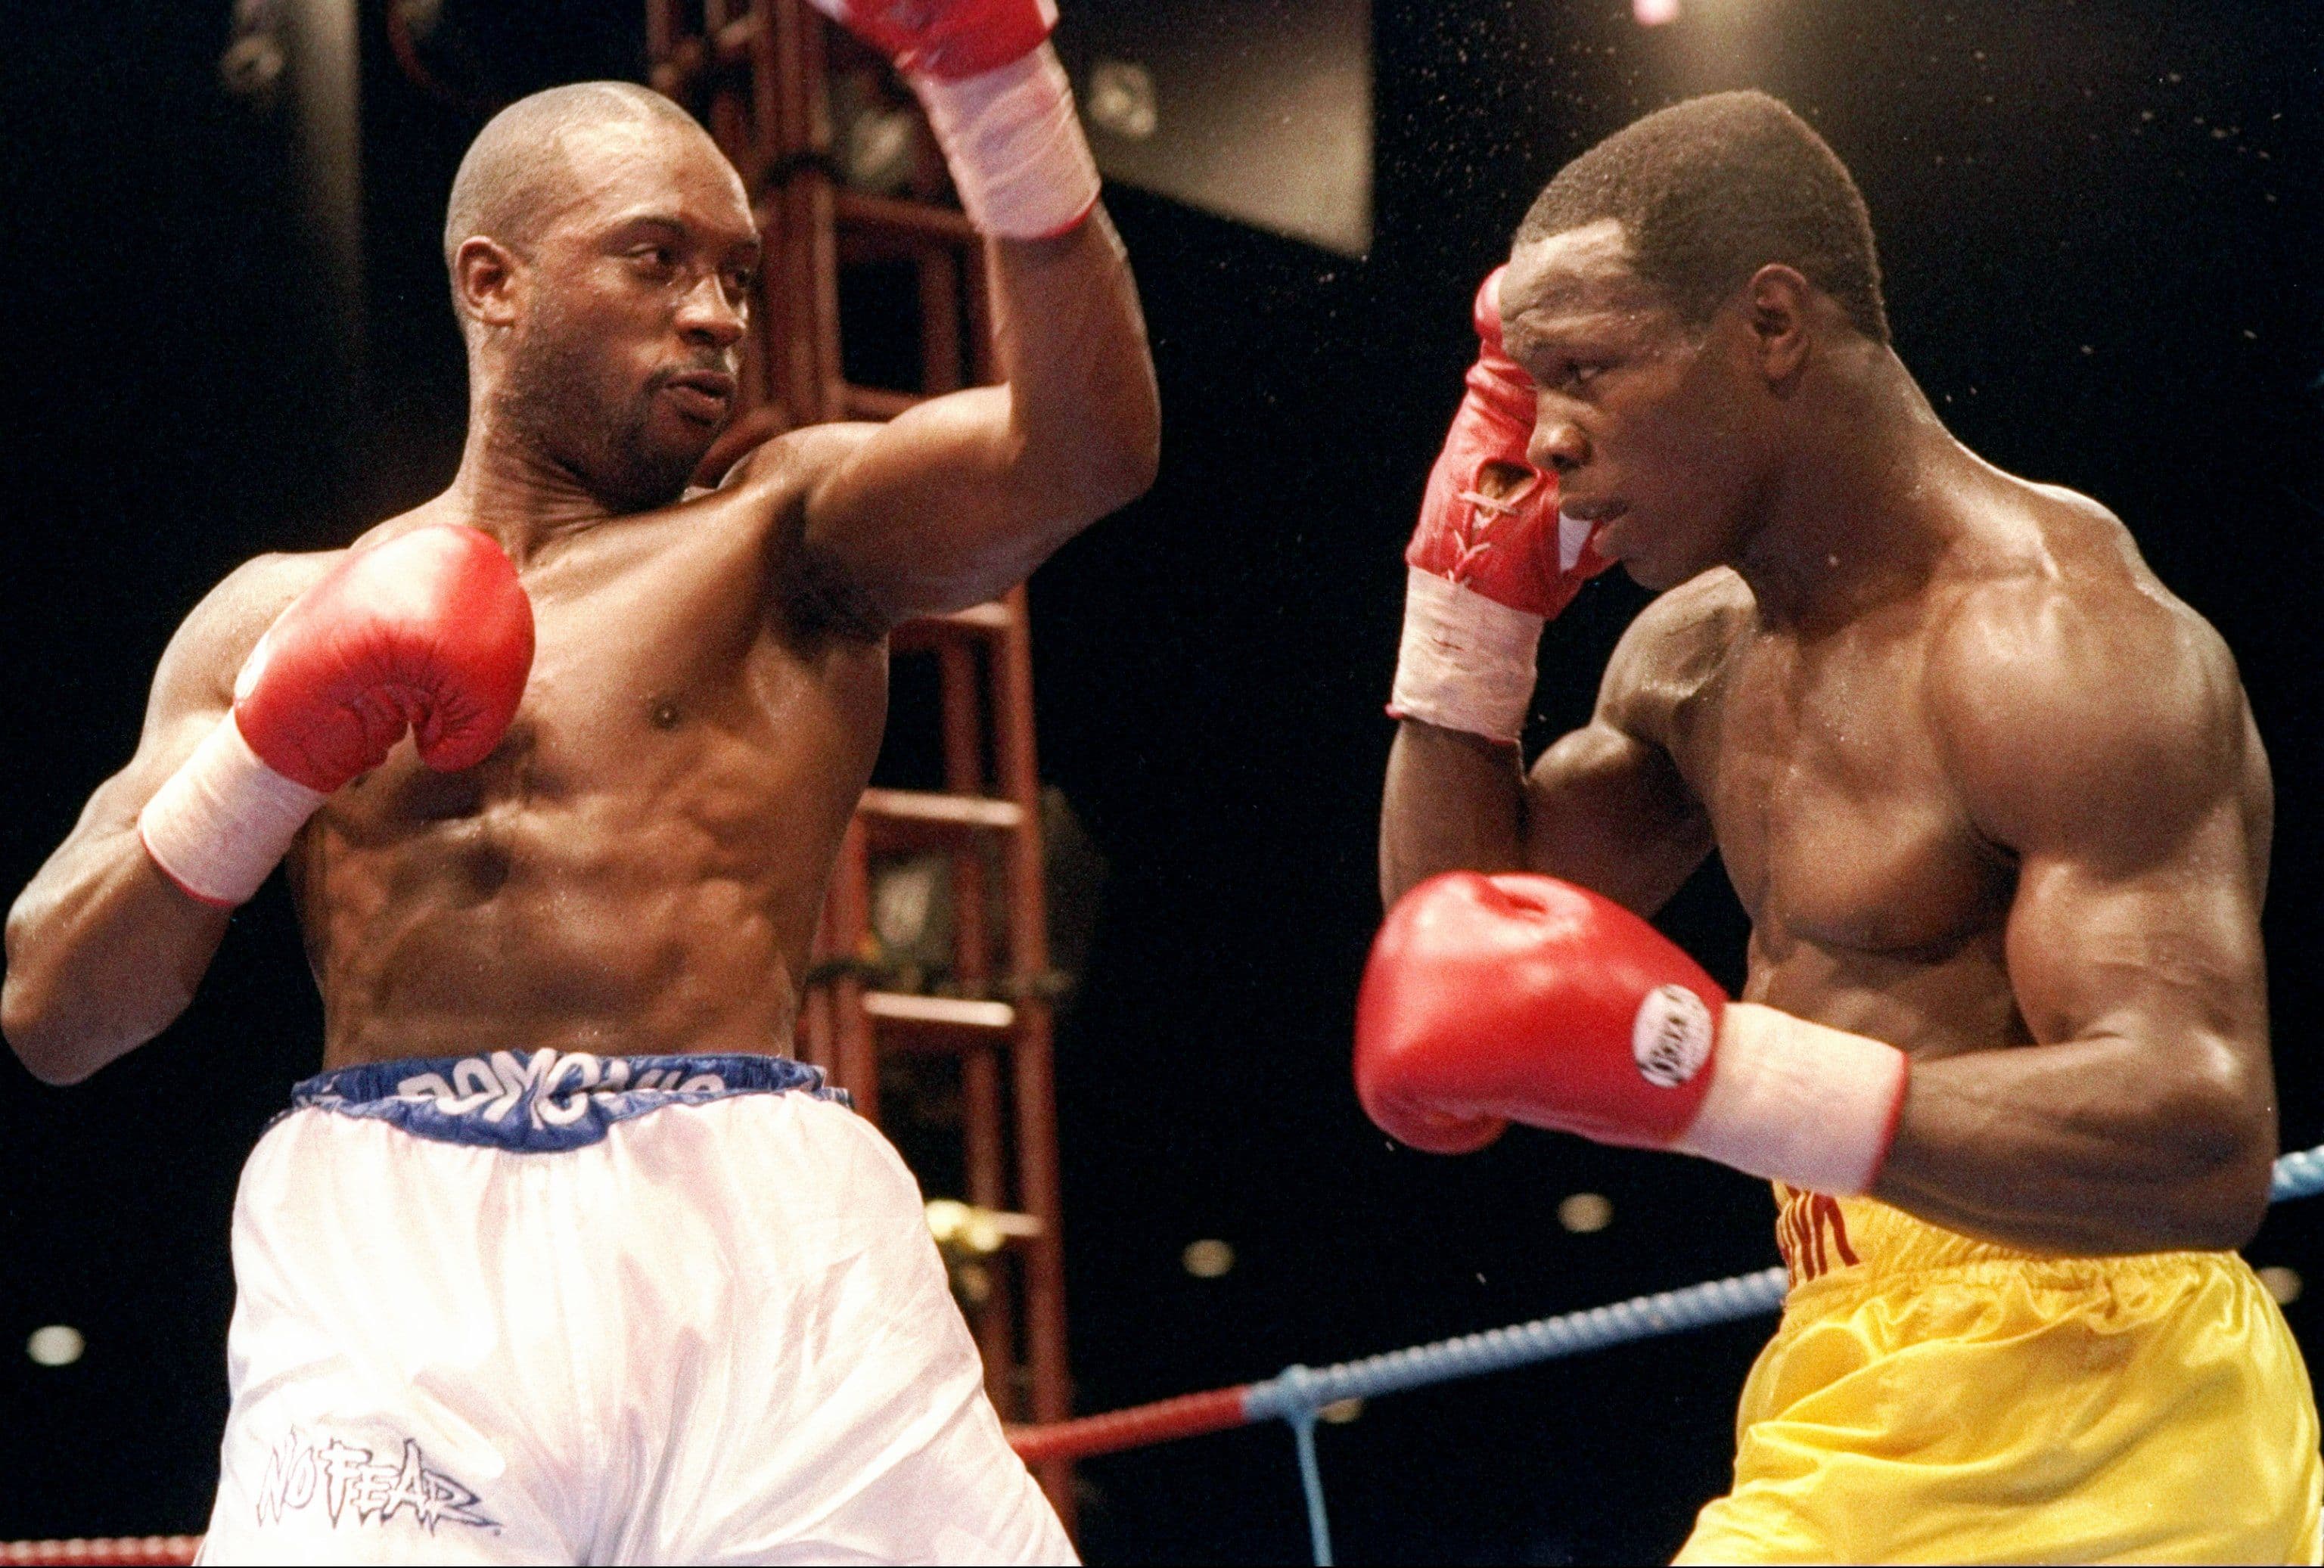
2099,225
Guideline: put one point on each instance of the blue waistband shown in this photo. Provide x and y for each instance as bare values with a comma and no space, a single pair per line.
541,1101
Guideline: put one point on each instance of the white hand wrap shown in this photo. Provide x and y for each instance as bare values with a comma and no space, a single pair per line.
1794,1102
1017,152
223,820
1467,662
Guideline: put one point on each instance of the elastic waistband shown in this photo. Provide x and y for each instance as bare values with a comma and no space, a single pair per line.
539,1101
1834,1248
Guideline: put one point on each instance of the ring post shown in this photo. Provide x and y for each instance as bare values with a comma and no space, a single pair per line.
1297,1404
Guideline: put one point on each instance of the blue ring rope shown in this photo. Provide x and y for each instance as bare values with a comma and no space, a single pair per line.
1297,1394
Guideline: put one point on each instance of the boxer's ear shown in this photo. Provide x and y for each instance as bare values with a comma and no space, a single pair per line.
1778,303
487,279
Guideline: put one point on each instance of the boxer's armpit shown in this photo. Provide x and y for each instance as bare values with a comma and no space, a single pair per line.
821,598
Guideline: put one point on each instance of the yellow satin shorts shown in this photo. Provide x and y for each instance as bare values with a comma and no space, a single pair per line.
1930,1398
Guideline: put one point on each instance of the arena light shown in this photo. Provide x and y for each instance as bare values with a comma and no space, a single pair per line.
56,1345
1208,1258
1584,1213
1654,12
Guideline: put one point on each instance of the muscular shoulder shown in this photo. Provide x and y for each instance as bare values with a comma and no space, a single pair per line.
1672,651
2078,701
795,462
211,644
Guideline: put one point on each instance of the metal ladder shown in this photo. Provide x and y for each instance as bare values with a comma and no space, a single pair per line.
757,73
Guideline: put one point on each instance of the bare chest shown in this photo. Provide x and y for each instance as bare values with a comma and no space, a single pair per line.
1832,808
672,706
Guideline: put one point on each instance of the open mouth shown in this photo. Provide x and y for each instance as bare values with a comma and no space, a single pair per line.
1590,520
702,395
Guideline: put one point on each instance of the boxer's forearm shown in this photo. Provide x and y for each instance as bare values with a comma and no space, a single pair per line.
2098,1145
1072,343
1453,802
104,954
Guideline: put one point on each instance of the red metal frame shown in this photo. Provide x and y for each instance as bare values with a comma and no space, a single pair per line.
756,71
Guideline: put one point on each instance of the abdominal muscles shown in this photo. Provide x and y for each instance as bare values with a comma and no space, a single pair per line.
594,923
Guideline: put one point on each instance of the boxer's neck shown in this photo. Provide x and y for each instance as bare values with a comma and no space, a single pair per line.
512,489
1858,508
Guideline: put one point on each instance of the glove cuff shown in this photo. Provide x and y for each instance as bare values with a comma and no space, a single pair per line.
224,819
1794,1102
1017,154
1467,661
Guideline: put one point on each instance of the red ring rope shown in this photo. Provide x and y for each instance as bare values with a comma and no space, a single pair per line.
121,1549
1187,1415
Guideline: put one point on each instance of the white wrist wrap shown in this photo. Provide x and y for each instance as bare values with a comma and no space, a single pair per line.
1467,662
1794,1102
223,820
1017,152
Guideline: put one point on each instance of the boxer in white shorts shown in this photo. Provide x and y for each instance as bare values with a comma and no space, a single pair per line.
560,1260
676,1309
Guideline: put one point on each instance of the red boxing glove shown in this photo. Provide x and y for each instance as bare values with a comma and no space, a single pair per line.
946,39
1497,999
1506,548
1487,569
430,631
998,101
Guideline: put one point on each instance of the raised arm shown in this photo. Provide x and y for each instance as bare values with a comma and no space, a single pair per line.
2114,755
959,498
1490,564
104,952
962,496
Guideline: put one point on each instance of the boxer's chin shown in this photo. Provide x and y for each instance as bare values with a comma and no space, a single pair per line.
1652,577
650,478
658,460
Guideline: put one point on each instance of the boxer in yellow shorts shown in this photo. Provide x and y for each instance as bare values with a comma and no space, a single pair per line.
1934,1399
1995,804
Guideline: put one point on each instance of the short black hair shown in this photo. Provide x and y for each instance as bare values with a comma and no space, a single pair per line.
1709,190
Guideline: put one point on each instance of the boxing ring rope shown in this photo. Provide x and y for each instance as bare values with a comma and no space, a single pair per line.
1297,1395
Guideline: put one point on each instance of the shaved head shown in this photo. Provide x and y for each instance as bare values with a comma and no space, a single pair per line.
518,169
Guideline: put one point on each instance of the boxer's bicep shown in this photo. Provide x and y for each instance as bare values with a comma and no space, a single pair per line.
2109,763
1607,808
959,498
929,512
2163,968
2143,1115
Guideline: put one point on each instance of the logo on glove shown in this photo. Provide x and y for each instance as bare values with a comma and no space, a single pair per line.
1670,1039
